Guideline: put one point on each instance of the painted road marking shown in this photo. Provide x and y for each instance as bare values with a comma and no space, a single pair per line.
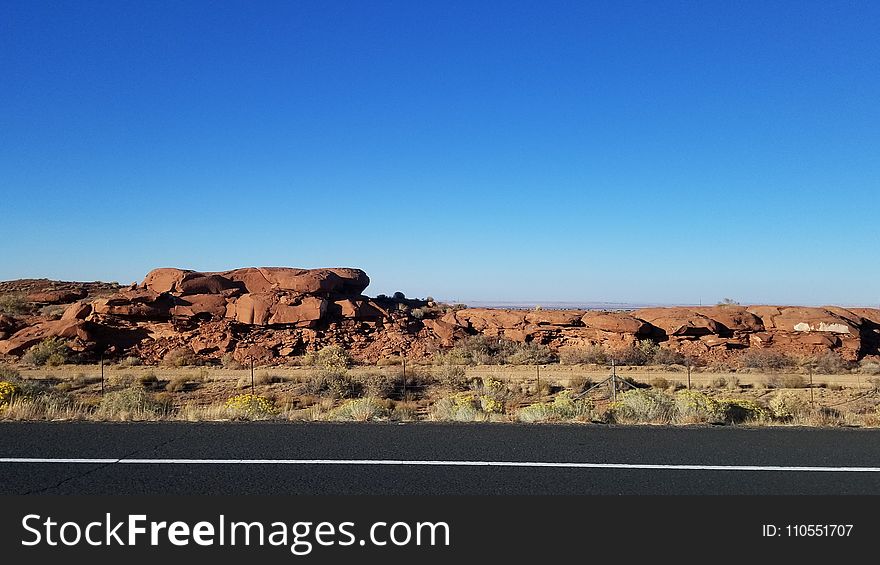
441,463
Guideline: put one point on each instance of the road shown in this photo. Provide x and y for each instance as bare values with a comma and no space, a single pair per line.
428,458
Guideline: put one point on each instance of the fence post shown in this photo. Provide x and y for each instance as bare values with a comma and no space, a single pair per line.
613,380
102,374
538,373
253,392
689,373
812,402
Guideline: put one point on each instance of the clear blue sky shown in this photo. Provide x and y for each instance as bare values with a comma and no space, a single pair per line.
666,152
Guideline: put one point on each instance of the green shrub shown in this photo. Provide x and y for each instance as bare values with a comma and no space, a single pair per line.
485,350
130,404
7,391
787,406
643,405
453,376
692,407
462,407
52,351
13,304
330,358
530,354
562,408
361,410
251,407
640,353
591,355
334,383
738,411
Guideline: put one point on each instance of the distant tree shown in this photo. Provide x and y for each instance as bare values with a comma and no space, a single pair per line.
728,302
399,296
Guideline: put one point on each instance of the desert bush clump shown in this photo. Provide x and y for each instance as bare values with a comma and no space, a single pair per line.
334,383
452,376
530,354
365,409
580,384
330,358
739,411
149,381
785,381
130,404
251,407
180,357
562,408
462,407
7,391
52,351
868,367
831,364
13,304
484,350
765,359
692,407
177,384
8,373
640,353
643,405
659,383
787,406
590,355
377,385
130,361
666,356
228,361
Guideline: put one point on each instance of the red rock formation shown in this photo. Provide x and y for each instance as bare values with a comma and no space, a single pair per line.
268,313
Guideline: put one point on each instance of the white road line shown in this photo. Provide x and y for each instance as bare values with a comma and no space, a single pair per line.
440,463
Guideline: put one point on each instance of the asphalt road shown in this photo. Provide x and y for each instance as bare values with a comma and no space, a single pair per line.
231,458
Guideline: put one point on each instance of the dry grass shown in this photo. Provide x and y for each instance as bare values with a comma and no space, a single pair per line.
495,393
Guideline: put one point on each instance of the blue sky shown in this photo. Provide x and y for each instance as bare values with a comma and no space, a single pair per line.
668,152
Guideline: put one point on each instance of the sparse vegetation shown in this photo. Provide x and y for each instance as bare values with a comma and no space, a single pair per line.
130,404
52,351
831,364
563,408
13,304
180,357
483,350
331,358
765,359
361,410
591,355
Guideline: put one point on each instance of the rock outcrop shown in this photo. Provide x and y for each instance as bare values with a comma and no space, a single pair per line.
273,313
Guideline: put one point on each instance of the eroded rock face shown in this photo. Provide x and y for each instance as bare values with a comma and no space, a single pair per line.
269,313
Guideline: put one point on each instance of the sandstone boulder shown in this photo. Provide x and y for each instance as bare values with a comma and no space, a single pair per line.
77,311
805,319
678,321
734,318
57,296
554,317
195,304
615,322
253,308
307,312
